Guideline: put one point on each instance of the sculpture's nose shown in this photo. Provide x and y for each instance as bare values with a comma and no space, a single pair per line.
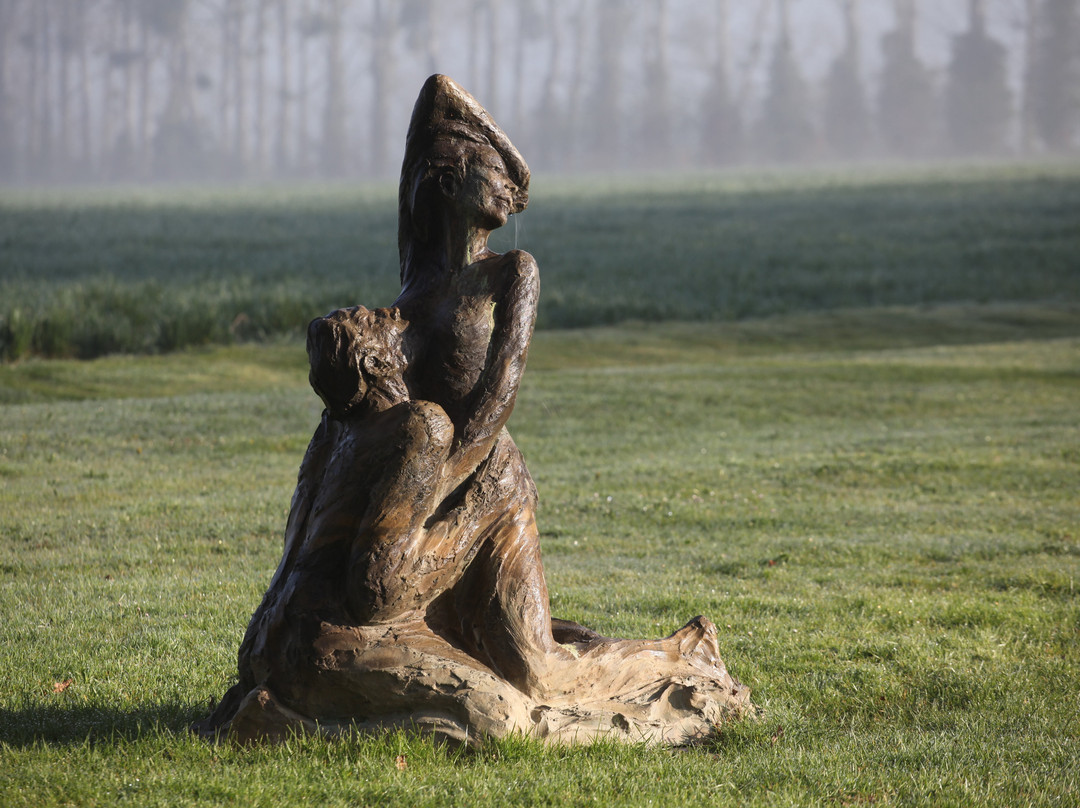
517,197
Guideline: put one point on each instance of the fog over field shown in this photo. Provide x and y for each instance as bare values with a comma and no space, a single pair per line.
129,90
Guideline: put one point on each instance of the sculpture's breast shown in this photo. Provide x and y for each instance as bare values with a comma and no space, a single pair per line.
458,351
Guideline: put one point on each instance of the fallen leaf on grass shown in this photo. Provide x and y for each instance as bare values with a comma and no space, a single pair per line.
777,735
60,687
401,763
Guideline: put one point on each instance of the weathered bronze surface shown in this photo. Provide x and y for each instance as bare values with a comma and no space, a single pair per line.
411,592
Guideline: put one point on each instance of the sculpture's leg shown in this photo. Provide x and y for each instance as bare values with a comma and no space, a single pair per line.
393,566
504,611
503,600
655,685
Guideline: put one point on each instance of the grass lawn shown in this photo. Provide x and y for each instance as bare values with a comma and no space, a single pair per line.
879,509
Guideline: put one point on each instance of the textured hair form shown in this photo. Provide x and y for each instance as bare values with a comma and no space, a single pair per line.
446,119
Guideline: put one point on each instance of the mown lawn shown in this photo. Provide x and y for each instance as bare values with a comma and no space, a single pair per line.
879,509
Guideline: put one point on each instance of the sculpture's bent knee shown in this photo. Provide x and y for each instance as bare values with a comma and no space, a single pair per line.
429,429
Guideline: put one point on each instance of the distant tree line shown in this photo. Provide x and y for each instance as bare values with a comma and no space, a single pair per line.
125,90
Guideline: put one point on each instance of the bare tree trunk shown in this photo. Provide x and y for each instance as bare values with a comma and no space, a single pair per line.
239,87
574,124
977,15
29,43
181,153
145,63
45,136
555,38
1027,112
383,29
66,42
183,70
606,123
721,134
846,116
723,35
7,139
432,37
851,27
281,147
261,139
753,55
524,11
333,147
303,144
550,118
494,66
127,60
225,56
654,145
473,47
107,104
86,151
785,129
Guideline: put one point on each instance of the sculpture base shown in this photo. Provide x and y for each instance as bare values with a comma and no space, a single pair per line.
674,691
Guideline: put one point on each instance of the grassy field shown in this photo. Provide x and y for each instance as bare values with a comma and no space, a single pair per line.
92,272
879,509
843,424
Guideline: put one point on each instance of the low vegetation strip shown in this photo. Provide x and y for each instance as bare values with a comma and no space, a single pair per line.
95,272
878,508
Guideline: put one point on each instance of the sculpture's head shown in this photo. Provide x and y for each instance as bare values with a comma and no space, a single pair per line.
358,360
455,157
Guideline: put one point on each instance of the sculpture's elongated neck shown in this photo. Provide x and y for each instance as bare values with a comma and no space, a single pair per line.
468,248
453,247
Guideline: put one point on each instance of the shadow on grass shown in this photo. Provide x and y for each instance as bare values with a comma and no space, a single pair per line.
69,725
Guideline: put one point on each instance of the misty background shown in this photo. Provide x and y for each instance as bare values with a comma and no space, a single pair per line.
131,90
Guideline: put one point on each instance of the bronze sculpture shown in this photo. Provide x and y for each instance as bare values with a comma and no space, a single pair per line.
411,591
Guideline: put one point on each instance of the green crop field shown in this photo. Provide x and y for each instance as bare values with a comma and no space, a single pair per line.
91,272
873,490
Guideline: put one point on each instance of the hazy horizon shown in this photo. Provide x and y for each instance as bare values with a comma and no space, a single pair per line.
228,90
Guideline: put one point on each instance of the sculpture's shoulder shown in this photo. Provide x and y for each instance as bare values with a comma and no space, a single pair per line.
522,264
523,292
512,272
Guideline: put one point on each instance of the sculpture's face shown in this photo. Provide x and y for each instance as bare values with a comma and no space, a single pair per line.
486,195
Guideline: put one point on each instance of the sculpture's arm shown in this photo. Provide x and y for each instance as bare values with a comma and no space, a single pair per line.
515,316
